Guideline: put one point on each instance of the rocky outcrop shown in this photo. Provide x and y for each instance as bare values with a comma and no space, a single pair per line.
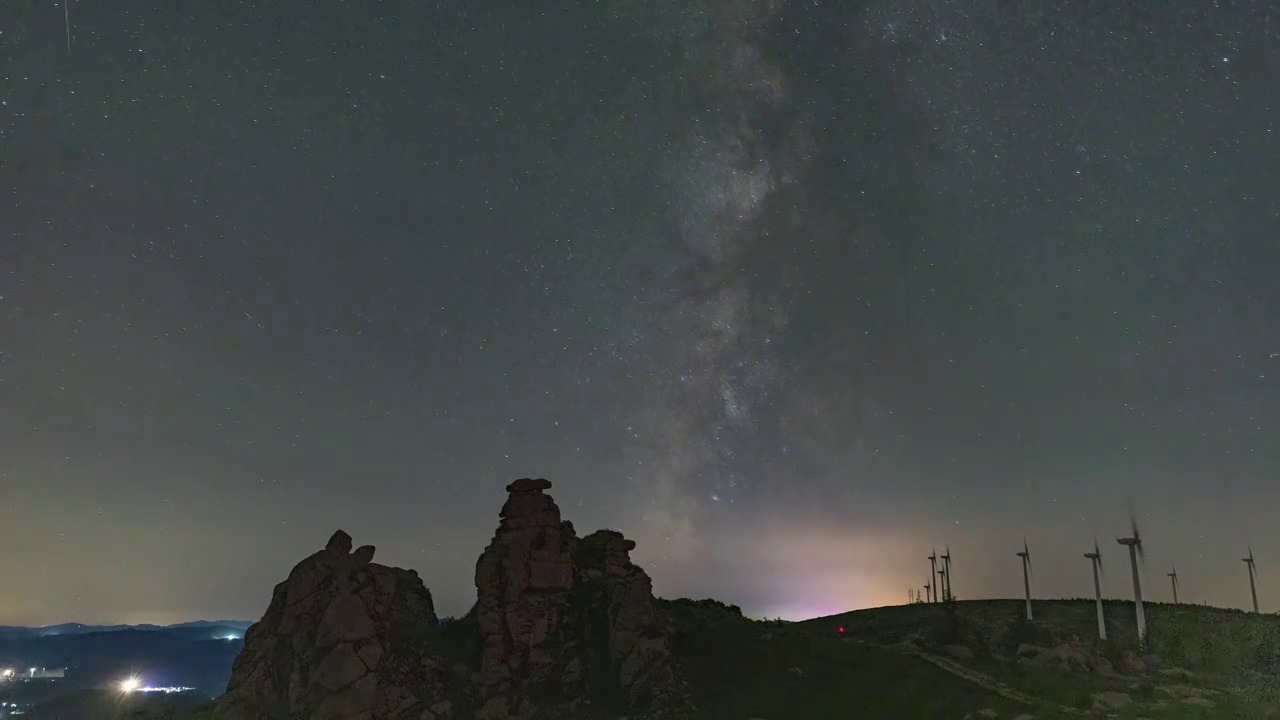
1067,658
559,622
564,620
343,639
629,658
530,650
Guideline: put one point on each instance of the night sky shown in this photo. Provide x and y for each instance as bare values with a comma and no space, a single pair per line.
788,292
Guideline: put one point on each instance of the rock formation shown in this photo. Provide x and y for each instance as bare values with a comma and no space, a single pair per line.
558,622
343,639
530,652
629,656
564,620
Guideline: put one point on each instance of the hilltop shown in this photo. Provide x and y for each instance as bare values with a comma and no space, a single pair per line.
931,662
567,627
1198,662
979,659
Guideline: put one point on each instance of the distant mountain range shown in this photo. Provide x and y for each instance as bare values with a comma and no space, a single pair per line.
211,629
194,654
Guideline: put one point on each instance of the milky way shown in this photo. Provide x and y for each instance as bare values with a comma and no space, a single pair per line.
789,292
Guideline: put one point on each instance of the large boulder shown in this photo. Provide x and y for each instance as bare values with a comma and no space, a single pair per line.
343,639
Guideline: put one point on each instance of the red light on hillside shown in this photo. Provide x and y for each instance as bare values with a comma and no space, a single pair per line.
841,631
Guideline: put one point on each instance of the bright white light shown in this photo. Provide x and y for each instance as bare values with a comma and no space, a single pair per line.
130,684
231,637
165,690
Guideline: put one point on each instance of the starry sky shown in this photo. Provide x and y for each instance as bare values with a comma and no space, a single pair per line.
789,292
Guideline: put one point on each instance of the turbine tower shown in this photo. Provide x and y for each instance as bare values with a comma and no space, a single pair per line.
1134,544
942,583
1095,561
1253,587
933,570
946,565
927,596
1173,577
1026,574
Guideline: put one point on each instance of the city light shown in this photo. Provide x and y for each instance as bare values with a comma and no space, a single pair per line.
133,684
165,690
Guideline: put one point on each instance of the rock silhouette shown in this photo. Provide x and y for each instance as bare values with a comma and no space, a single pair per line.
630,655
563,620
559,623
343,639
524,607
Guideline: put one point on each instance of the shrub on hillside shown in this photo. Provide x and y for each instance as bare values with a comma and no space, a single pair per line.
703,604
1216,642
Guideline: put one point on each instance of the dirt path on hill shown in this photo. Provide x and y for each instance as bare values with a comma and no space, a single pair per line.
989,683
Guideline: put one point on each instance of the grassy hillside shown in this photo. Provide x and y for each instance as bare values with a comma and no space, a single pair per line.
1195,637
1200,662
738,669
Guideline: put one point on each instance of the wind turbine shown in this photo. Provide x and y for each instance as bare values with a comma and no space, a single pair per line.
928,597
1253,587
1026,573
1173,577
1095,561
933,570
946,564
942,583
1135,551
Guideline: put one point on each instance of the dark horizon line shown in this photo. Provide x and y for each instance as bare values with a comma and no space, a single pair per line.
1145,601
77,623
